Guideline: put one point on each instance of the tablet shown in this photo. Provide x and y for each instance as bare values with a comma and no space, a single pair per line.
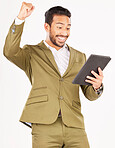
92,63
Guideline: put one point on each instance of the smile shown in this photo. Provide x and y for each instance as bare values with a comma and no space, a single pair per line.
62,39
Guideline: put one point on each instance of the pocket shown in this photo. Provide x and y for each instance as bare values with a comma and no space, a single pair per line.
37,99
36,88
38,91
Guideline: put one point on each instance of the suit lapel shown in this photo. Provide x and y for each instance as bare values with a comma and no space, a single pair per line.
71,60
50,57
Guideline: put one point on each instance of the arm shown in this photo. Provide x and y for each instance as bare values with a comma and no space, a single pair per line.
12,50
90,93
93,92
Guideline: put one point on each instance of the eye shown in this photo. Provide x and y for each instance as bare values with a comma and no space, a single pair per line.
68,28
59,27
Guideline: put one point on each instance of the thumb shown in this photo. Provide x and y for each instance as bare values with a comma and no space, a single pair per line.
31,10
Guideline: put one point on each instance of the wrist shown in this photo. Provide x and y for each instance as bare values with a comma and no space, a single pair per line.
18,21
21,18
99,90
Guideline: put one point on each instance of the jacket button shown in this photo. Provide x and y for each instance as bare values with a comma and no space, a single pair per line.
61,97
61,79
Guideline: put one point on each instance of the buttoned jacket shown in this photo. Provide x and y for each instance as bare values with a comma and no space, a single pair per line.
50,91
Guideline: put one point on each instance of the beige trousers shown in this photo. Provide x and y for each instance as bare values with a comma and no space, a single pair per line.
58,135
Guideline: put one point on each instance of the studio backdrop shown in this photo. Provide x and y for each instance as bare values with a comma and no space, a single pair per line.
92,32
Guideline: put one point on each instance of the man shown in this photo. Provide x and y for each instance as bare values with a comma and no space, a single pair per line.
53,108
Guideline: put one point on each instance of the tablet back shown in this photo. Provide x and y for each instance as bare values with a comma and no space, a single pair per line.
93,62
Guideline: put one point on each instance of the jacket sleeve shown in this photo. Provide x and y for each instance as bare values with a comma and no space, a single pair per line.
88,91
12,51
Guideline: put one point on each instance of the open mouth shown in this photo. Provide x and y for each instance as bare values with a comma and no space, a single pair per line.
62,39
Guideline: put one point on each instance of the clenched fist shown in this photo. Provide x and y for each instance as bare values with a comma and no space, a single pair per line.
25,11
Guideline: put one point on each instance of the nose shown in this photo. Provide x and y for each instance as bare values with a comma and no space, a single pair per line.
64,33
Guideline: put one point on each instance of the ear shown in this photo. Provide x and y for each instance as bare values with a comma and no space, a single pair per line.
47,27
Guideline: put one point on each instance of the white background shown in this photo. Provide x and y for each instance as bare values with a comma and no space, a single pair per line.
93,31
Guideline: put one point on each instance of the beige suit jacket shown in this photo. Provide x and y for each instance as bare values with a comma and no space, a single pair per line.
50,92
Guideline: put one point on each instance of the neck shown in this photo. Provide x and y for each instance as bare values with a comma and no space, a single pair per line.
52,45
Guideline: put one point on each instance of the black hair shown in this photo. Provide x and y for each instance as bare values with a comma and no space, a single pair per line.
58,10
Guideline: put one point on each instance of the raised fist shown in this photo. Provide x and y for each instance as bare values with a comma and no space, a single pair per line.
25,11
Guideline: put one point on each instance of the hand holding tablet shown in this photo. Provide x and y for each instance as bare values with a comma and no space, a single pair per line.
97,81
91,73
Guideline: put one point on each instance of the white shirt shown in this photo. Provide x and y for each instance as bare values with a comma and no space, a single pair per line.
18,21
61,56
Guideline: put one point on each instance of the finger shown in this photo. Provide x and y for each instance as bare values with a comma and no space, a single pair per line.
30,10
94,84
96,81
99,80
91,78
95,74
100,71
31,7
28,6
89,81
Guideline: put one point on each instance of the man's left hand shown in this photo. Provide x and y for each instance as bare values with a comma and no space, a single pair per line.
97,81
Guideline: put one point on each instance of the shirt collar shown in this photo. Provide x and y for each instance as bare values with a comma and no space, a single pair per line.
65,47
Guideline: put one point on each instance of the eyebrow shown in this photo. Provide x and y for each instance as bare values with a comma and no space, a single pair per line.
62,23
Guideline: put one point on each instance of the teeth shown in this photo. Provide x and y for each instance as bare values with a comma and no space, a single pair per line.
61,38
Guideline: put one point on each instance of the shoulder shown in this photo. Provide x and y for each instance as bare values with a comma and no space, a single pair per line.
80,56
33,48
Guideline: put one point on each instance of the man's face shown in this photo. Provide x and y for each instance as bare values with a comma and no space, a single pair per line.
59,30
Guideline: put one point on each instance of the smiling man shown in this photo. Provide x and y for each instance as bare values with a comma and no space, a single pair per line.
53,108
58,31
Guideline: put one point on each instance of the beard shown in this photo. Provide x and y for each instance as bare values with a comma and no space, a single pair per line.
57,43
